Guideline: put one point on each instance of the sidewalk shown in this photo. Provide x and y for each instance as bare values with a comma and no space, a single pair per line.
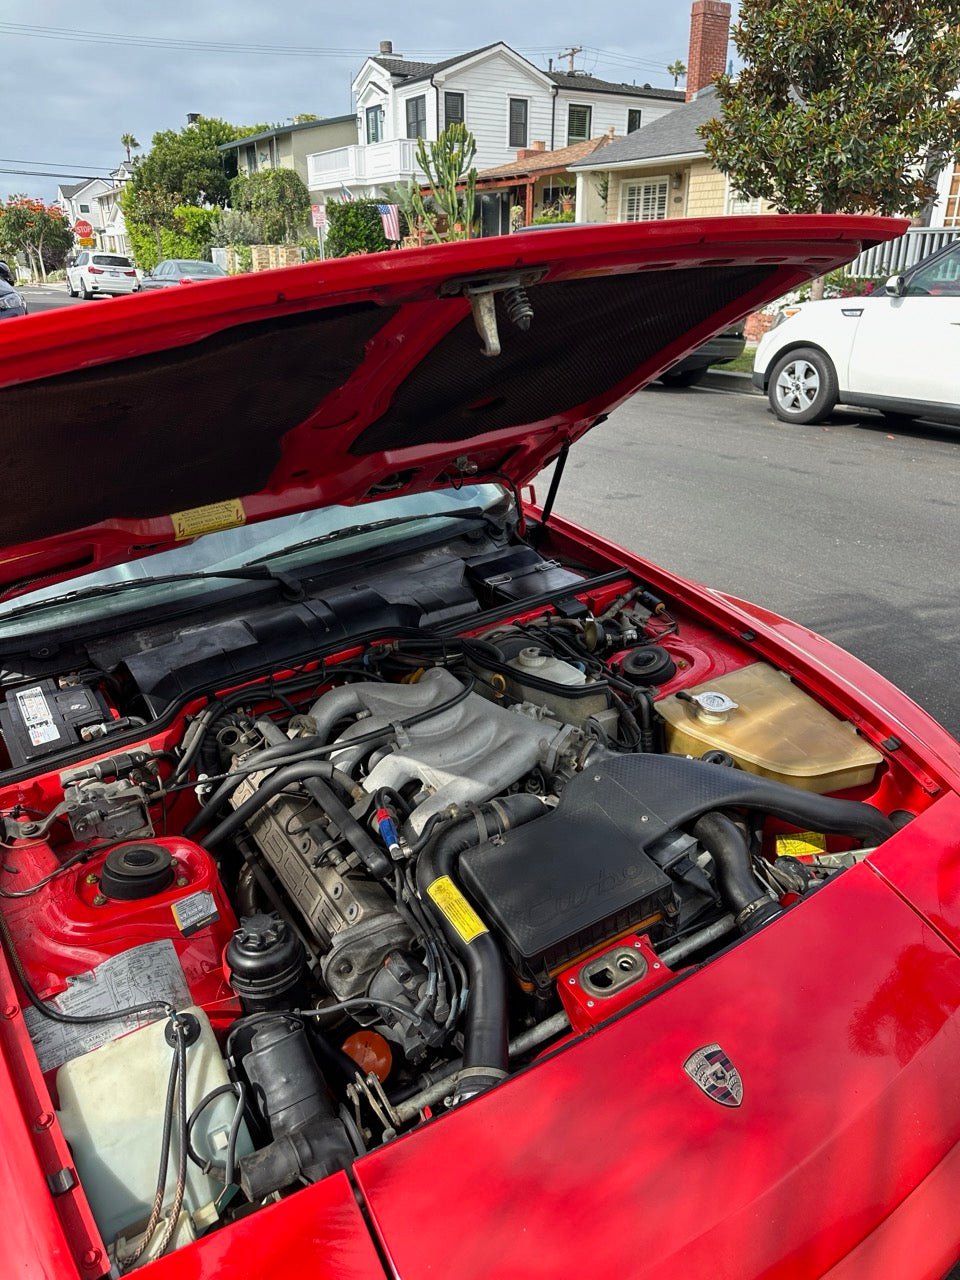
720,379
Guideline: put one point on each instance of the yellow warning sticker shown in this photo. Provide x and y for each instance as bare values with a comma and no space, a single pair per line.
209,519
456,908
801,844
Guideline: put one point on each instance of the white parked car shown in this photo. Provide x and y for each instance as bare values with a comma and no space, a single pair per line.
896,350
101,274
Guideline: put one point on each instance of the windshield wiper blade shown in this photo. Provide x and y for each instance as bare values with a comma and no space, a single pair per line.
254,572
352,530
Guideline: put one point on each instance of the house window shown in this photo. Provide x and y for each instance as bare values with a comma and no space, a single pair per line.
84,208
518,122
644,201
452,109
417,117
578,122
737,203
374,124
634,120
951,213
251,159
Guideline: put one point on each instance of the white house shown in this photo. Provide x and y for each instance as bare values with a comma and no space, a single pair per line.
506,102
78,200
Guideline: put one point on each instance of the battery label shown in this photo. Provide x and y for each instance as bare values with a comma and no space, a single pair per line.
37,720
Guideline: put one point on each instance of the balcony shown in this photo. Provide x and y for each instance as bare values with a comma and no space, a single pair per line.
378,162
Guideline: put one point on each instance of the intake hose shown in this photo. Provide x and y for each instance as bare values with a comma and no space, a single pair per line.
485,1030
313,774
740,889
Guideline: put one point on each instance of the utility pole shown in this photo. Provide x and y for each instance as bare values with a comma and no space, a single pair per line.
571,53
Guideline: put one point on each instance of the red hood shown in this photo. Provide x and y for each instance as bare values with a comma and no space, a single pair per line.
343,381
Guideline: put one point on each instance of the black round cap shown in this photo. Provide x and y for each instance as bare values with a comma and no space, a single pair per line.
648,664
134,871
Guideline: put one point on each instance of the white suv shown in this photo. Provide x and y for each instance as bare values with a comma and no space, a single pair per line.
896,350
101,274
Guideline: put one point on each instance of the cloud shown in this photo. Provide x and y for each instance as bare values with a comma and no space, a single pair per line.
77,97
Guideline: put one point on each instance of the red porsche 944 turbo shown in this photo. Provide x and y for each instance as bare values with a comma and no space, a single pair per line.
399,880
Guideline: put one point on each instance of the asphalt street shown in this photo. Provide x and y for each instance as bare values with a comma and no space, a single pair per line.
49,296
850,527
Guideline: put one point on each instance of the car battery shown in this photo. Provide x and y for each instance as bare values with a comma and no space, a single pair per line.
42,719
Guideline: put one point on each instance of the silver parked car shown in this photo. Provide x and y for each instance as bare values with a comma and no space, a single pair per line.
181,271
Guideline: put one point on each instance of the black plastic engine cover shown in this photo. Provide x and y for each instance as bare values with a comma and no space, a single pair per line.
574,879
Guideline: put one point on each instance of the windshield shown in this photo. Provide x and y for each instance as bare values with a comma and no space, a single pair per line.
110,260
275,542
199,269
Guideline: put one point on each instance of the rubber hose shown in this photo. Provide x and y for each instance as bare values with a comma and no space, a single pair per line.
485,1030
313,774
741,890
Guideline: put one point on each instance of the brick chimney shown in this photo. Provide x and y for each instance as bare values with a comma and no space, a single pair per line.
709,31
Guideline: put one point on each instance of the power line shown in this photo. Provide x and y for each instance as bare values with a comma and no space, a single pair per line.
53,164
40,173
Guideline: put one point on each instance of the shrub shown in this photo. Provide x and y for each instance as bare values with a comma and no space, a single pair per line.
354,227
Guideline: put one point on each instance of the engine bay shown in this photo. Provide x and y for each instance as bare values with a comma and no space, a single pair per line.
282,886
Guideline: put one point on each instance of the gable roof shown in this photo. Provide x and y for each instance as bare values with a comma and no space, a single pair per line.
674,134
586,83
535,161
69,190
411,71
282,129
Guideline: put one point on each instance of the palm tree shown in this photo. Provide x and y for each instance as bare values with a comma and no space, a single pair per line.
676,69
129,141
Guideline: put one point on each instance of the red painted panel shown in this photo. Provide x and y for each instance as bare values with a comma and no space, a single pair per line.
606,1160
318,1234
922,862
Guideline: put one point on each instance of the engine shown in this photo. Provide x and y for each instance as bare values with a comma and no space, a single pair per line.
346,896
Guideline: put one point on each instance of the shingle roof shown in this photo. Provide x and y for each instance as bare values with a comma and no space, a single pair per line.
424,70
674,134
284,128
534,161
590,84
69,190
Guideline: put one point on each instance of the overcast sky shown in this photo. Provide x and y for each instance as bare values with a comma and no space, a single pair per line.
71,97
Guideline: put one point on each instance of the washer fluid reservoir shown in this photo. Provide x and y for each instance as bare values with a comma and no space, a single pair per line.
770,727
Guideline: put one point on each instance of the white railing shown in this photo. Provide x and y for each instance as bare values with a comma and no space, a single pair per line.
894,256
376,162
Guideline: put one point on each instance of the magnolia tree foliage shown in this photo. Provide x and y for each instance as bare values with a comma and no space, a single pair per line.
841,105
447,163
36,231
277,199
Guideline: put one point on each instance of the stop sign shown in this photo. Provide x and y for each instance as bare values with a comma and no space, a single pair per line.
83,229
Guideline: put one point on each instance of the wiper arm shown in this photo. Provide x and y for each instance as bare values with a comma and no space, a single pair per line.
350,531
254,572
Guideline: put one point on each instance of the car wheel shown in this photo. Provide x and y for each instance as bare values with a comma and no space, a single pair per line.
682,377
85,293
70,289
803,386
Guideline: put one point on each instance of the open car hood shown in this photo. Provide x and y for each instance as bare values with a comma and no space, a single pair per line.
132,425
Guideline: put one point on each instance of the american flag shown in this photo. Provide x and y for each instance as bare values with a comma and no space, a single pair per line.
346,195
390,217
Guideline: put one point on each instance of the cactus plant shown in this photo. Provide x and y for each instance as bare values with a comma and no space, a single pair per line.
446,162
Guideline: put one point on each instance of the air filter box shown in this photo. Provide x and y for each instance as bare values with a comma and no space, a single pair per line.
565,884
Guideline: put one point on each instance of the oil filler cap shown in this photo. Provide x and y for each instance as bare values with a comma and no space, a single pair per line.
135,871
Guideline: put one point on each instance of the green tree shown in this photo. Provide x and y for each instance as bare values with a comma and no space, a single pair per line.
447,162
676,69
129,143
841,106
147,211
278,199
354,227
187,164
37,231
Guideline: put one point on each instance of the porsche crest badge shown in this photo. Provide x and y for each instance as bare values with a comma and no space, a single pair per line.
712,1071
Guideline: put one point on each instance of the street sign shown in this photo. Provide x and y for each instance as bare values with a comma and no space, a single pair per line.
83,229
319,214
87,242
